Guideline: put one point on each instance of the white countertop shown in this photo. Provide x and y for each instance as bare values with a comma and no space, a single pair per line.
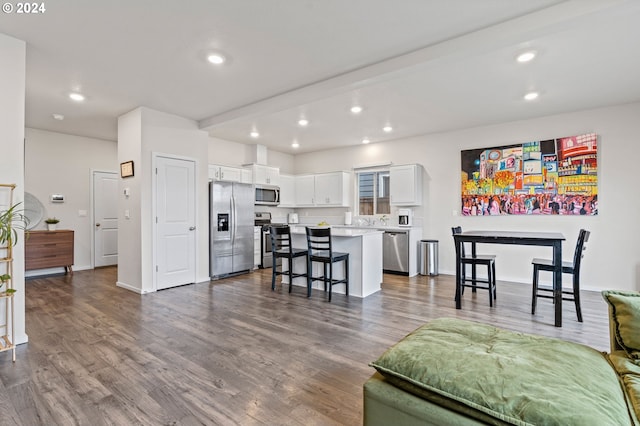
380,227
341,231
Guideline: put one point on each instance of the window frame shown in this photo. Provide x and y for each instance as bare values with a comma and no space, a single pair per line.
377,171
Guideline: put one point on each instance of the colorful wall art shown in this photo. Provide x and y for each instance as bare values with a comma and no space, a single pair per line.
551,177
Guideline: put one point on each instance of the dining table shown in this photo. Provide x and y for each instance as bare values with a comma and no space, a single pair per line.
547,239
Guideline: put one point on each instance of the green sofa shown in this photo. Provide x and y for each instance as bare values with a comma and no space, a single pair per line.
456,372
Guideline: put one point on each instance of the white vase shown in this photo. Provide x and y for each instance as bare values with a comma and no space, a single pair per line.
51,226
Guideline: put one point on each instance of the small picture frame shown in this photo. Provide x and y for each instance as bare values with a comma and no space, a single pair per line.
126,169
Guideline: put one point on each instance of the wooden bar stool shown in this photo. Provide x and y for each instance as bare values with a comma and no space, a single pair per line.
488,260
572,268
282,249
320,250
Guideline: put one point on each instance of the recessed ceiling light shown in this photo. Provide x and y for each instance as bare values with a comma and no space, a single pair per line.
78,97
303,122
531,96
216,58
295,144
356,109
526,56
254,134
387,129
58,117
365,141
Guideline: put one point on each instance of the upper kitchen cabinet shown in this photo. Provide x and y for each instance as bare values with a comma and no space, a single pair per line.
405,184
287,191
229,174
305,190
332,189
265,175
323,190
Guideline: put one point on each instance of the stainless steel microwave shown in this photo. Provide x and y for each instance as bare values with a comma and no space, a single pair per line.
267,195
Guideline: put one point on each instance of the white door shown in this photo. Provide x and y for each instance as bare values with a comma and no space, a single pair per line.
175,222
105,219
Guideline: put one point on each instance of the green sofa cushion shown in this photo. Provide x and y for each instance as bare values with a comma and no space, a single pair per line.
629,371
625,311
516,378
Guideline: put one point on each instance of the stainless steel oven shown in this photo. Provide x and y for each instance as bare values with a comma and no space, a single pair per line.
266,254
263,219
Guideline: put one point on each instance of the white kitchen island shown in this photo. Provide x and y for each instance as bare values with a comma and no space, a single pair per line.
365,259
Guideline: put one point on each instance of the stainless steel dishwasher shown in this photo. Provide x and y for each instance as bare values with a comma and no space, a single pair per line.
395,252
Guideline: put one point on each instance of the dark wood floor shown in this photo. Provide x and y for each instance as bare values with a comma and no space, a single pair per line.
232,351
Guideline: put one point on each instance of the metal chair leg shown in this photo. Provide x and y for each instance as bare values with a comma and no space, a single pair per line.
495,287
534,290
290,261
346,274
576,295
309,268
273,274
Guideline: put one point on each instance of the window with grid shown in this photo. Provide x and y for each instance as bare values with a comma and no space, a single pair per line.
373,192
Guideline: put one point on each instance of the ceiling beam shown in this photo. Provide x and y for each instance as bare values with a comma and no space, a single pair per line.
514,32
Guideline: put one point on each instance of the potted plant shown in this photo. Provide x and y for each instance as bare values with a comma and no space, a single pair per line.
51,223
11,220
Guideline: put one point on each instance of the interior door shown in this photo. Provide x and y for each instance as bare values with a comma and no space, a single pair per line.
175,222
105,218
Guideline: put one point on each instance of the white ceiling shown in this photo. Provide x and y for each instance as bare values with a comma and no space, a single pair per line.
422,66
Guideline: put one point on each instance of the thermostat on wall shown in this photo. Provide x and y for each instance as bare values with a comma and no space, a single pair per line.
57,198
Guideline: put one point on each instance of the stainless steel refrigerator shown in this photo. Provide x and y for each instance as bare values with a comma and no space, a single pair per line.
231,242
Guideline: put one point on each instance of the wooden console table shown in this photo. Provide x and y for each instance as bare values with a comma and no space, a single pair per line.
49,249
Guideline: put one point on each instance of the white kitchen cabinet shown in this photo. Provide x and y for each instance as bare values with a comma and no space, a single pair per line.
405,184
305,190
287,191
332,189
323,190
229,174
265,175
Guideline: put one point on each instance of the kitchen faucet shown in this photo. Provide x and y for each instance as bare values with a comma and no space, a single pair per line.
368,221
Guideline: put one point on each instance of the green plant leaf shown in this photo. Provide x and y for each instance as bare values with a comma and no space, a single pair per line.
11,220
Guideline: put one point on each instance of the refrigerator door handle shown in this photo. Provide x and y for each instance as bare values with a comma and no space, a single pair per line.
234,217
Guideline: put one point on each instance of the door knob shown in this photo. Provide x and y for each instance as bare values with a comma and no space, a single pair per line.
97,225
192,228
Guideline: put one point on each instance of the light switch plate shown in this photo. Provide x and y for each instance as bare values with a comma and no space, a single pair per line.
82,213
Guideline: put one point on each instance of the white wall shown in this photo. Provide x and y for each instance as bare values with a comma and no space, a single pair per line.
611,260
141,134
12,106
129,241
234,154
285,162
227,153
47,154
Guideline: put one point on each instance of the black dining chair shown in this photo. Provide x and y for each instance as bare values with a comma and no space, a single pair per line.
572,268
488,260
282,249
321,250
